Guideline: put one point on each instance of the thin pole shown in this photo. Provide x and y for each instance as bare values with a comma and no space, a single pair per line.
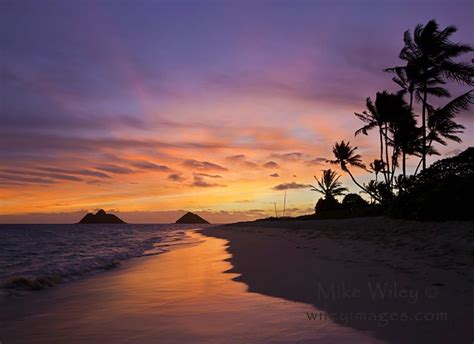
276,213
284,205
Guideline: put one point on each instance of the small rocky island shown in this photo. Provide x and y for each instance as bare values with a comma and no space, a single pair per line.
191,218
101,217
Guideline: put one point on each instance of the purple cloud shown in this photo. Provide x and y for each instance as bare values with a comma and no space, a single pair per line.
146,165
82,172
43,175
114,169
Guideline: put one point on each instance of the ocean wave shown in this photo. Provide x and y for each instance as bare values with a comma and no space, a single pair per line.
42,256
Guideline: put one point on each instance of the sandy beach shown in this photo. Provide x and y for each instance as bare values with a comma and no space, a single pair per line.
403,281
186,295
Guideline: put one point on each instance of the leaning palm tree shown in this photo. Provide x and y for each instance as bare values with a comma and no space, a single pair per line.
345,157
429,55
329,185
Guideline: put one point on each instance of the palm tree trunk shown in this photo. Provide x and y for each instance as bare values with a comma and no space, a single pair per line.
419,164
423,128
381,152
404,155
404,164
394,165
387,179
360,186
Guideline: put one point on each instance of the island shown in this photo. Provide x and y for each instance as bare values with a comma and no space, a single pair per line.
101,217
191,218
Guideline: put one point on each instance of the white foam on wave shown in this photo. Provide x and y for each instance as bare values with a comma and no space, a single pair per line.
35,257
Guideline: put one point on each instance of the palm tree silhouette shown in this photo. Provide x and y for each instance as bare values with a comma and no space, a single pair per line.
329,185
377,166
441,124
405,135
429,54
371,188
345,157
407,78
372,119
385,113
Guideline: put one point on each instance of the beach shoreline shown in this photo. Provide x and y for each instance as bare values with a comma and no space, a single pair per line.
424,269
181,296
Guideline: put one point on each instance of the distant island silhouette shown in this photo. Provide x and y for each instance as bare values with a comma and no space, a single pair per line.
101,217
191,218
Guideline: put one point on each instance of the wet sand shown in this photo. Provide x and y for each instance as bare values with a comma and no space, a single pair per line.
182,296
405,282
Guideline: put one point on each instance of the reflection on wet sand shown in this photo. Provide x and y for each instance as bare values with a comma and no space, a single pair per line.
181,296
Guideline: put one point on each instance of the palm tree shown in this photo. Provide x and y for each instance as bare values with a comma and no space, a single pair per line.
377,166
429,55
372,119
371,188
385,113
407,78
405,136
377,115
329,185
345,157
441,124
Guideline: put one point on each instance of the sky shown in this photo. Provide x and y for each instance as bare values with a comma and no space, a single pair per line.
152,108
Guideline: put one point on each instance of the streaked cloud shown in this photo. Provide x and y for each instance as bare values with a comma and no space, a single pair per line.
294,156
146,165
290,186
271,164
203,165
316,161
21,179
207,175
241,159
114,169
82,172
42,174
201,183
176,177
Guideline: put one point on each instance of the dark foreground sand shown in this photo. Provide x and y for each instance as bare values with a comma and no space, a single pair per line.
405,282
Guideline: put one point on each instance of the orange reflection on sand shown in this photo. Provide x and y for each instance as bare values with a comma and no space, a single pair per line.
181,296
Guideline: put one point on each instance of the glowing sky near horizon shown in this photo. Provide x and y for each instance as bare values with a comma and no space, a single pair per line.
157,106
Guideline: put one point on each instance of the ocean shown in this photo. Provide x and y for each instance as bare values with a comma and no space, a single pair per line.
38,256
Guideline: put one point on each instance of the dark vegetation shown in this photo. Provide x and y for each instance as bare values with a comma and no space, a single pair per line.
441,192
